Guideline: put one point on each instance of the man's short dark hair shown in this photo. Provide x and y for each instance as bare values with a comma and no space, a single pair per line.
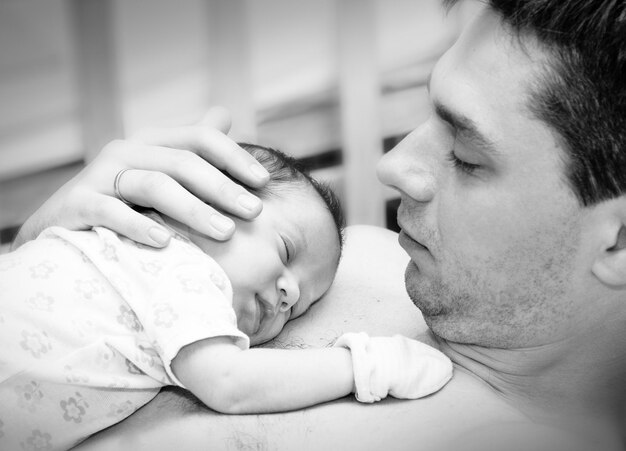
582,95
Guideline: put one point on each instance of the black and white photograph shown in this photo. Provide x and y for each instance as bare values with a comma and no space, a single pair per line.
296,225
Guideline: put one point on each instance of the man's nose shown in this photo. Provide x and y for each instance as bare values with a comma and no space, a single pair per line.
407,171
288,291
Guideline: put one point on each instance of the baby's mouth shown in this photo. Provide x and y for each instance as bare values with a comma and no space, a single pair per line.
259,313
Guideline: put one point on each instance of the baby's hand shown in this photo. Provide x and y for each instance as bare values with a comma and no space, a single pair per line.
398,366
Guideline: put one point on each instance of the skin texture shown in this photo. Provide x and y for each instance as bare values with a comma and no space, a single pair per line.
280,263
493,248
521,285
368,295
506,247
177,171
506,276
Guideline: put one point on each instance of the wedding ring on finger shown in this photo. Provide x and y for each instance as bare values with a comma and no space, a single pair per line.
116,187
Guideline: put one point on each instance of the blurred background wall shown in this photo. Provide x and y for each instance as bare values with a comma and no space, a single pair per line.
333,82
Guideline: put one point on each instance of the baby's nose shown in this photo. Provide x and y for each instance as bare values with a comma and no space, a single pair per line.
288,291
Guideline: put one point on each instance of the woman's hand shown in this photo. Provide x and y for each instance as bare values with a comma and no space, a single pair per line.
176,171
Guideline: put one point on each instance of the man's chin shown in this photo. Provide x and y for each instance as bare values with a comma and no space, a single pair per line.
422,291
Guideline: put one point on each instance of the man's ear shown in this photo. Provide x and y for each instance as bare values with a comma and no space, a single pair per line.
609,265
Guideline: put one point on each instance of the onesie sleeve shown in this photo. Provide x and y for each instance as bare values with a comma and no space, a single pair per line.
191,301
168,298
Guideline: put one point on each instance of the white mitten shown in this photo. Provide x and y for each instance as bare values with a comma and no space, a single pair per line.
398,366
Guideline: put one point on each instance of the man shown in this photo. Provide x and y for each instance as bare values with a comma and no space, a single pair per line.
514,217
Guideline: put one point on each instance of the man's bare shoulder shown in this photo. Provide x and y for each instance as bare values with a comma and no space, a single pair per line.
529,436
465,416
368,295
174,419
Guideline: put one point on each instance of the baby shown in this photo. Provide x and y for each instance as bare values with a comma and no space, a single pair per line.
92,325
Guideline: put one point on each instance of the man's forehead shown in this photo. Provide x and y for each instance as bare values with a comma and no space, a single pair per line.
488,75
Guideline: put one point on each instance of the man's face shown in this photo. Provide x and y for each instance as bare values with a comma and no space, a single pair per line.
490,224
280,263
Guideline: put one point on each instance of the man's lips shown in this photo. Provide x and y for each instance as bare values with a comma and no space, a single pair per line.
421,257
408,242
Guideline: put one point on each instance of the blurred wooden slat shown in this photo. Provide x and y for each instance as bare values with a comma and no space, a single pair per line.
97,76
21,196
39,125
359,94
230,64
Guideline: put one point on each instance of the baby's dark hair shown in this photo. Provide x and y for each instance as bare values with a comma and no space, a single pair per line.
284,171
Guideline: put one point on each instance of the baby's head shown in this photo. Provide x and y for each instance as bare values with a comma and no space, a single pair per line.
285,260
286,174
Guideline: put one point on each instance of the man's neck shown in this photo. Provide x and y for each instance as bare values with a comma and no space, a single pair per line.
576,379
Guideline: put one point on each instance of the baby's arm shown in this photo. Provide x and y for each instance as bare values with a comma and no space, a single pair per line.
231,380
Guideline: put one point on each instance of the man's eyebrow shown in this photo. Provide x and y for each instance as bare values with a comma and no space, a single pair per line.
462,124
466,127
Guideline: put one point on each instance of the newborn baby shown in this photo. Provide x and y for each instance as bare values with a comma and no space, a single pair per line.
92,325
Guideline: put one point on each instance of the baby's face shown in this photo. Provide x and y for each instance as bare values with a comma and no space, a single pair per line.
280,263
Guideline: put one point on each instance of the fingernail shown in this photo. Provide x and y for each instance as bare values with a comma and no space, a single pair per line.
222,223
259,171
159,235
248,201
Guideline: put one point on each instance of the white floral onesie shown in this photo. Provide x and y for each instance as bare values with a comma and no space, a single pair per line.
89,324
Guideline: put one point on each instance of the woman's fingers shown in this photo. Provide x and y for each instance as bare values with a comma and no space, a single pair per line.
113,214
189,170
158,162
213,146
76,208
160,191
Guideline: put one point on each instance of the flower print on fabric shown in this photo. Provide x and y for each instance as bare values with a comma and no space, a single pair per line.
38,441
105,324
29,396
42,270
74,408
104,357
190,285
157,348
164,315
132,368
74,376
151,267
147,355
118,382
88,288
128,318
37,343
121,410
40,302
219,280
109,252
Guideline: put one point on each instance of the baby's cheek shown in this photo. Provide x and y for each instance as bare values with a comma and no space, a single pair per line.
277,327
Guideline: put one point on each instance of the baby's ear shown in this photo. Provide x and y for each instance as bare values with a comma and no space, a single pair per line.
609,265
